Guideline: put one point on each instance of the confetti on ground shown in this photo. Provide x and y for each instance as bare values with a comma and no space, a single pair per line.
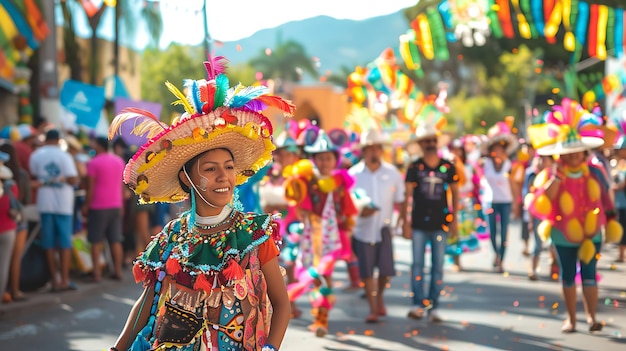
542,298
515,303
369,332
555,305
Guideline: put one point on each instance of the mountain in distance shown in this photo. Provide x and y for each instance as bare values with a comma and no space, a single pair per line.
335,42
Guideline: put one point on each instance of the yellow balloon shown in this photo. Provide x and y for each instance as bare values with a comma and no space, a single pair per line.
304,168
543,205
288,171
586,251
541,179
574,231
569,42
544,229
591,223
593,189
566,203
327,184
614,231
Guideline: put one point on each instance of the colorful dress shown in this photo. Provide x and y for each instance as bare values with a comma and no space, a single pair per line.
324,239
210,292
467,240
576,215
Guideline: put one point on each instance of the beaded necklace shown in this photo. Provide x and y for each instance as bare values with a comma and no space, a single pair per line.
216,225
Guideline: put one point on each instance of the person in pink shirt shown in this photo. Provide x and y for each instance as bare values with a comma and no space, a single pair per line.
103,205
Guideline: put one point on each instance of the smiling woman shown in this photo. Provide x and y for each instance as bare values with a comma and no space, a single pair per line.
211,276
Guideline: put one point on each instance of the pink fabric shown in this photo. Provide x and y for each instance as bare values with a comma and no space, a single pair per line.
6,222
106,170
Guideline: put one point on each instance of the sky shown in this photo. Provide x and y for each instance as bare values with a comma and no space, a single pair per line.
231,20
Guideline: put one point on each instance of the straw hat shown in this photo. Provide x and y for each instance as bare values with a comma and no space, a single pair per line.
372,137
500,133
569,128
216,117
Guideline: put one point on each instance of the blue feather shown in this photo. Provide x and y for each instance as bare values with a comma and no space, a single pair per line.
221,88
195,95
245,95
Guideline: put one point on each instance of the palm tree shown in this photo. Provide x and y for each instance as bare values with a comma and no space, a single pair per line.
285,64
340,78
150,13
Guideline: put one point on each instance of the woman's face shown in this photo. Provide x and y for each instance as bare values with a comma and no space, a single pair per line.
497,151
214,177
325,162
573,160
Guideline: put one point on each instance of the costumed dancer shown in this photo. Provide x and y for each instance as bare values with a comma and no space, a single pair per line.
321,193
467,240
211,276
572,204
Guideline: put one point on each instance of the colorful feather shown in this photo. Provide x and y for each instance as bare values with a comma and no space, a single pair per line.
215,66
221,86
144,123
286,106
182,99
244,95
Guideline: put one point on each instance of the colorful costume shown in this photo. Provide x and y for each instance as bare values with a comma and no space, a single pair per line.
582,206
328,209
209,292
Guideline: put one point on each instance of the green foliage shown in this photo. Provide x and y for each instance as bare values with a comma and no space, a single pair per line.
286,62
174,64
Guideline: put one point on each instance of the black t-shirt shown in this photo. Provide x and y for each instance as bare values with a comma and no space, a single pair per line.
430,204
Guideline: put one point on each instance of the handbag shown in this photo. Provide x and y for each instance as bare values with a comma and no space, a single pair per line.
15,208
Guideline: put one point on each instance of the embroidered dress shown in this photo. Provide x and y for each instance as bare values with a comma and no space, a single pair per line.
210,293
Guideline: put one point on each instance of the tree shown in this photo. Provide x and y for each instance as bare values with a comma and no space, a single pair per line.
150,13
286,63
175,65
340,78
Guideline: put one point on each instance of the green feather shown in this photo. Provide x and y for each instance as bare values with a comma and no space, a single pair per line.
221,85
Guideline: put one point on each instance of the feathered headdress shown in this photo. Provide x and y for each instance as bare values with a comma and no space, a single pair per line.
216,116
568,128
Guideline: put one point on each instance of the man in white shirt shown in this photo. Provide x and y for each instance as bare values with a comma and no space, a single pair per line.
383,187
56,175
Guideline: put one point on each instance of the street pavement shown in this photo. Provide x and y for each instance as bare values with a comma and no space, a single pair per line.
482,310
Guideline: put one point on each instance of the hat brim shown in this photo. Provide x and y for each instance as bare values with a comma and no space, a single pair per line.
443,139
153,171
509,139
373,143
584,144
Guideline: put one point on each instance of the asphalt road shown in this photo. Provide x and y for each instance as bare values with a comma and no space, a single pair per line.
482,310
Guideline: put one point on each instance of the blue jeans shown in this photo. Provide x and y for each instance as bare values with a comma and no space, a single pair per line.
504,211
438,240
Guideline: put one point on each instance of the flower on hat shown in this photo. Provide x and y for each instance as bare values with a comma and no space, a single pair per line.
216,116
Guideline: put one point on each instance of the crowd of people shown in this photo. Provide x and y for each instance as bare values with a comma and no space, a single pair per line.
312,198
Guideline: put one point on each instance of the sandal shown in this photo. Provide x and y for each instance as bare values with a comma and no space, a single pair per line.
595,326
568,328
372,318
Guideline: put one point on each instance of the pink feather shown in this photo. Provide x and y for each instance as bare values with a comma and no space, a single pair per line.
215,66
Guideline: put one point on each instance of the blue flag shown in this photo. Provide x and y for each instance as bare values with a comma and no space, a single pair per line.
84,100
